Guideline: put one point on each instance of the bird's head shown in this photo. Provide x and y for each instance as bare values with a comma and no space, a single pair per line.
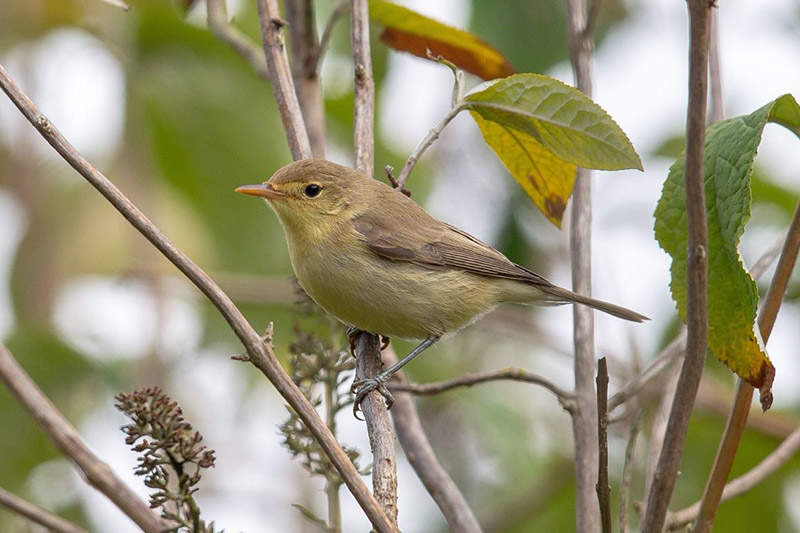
311,193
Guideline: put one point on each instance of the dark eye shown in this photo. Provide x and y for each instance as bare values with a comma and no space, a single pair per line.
312,190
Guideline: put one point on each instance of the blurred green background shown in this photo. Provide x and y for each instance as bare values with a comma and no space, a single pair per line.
177,120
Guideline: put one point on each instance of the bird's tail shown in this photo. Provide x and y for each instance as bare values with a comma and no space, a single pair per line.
565,295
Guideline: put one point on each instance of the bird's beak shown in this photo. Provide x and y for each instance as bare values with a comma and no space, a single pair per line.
262,189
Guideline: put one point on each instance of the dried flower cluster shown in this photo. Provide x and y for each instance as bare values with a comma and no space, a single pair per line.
171,456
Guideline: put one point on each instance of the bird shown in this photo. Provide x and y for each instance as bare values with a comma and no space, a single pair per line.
373,258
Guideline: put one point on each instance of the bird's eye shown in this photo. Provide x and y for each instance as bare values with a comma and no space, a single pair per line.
312,190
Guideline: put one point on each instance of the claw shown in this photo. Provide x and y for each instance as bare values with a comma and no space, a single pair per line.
385,341
352,334
363,387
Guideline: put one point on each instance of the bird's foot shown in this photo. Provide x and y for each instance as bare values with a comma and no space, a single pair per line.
352,335
363,387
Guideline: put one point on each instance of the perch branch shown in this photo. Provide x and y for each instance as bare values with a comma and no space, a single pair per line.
259,352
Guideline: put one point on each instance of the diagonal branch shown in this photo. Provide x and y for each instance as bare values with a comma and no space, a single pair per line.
734,428
423,460
697,273
97,473
280,77
36,514
260,353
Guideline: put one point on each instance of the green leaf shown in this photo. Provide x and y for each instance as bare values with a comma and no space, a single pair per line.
409,31
561,118
730,150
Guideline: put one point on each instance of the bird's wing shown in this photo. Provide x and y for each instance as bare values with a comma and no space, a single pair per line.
439,245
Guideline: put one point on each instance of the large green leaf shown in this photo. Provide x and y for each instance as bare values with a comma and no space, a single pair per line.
411,32
730,149
562,119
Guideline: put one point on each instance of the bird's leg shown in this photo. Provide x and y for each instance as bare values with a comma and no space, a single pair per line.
352,333
363,387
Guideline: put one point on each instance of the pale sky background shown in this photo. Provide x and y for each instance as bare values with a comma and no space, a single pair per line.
640,79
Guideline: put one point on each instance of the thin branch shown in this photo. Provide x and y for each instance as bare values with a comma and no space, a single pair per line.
697,273
281,79
364,108
97,473
303,43
785,451
324,41
424,144
220,26
260,353
36,514
423,460
734,428
627,470
379,427
565,398
717,105
584,422
603,488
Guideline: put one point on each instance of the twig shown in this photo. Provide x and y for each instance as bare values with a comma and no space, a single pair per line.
68,440
717,105
785,451
281,79
565,398
379,427
424,144
697,273
603,488
364,107
259,353
325,39
36,514
740,409
423,460
584,422
223,30
303,43
627,470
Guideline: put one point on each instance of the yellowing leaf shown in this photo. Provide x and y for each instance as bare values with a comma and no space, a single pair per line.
411,32
730,149
561,118
547,179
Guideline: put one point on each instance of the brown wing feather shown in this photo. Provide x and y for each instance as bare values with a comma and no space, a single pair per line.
445,247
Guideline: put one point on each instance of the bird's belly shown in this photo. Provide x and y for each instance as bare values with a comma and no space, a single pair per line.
399,299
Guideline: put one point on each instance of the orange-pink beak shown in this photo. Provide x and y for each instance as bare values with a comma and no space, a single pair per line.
262,189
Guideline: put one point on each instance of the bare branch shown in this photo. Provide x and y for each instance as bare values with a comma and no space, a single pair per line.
734,428
697,273
565,398
584,422
259,353
738,486
423,460
627,470
423,145
221,27
363,111
379,427
303,44
36,514
324,40
717,105
281,79
97,473
603,488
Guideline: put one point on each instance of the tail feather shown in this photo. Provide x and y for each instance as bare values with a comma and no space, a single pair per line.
566,295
